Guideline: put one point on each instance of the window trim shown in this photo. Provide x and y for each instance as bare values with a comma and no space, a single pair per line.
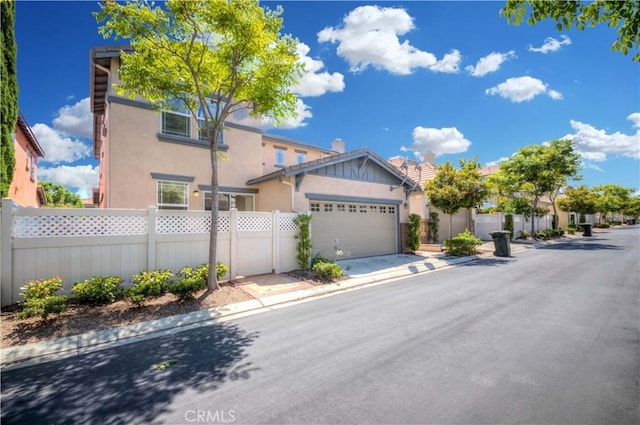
178,207
278,152
179,113
250,195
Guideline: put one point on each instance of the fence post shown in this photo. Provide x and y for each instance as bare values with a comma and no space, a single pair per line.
275,238
6,256
151,237
233,242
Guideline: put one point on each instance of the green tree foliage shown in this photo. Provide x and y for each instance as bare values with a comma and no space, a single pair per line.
413,238
60,197
632,207
611,198
623,15
215,56
452,189
537,170
580,200
9,94
303,246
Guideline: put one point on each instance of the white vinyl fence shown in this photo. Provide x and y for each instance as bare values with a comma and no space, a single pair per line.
76,244
487,223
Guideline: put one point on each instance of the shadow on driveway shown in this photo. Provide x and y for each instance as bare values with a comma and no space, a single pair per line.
489,262
591,244
121,385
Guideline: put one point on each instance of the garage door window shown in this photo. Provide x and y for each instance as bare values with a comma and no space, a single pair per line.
363,209
328,207
383,210
352,208
315,207
340,207
392,210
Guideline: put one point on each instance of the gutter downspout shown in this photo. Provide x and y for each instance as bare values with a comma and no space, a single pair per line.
293,189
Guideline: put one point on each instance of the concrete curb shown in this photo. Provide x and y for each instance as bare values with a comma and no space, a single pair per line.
60,348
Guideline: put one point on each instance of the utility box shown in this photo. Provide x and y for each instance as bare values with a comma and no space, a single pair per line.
502,243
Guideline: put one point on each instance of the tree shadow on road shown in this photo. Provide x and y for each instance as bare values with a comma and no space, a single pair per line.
587,245
121,385
489,262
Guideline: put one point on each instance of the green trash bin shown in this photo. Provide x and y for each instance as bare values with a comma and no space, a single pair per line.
502,243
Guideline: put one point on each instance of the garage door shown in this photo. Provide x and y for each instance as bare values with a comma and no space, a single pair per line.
361,229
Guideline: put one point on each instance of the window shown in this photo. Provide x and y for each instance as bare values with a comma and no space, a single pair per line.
328,207
172,195
363,209
340,207
227,201
299,157
280,157
373,208
315,207
352,208
392,210
176,123
202,134
383,209
32,169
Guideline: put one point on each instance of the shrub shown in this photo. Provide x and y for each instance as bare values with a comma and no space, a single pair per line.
464,243
413,239
432,229
40,299
186,287
508,224
327,272
571,230
601,226
523,234
303,221
202,271
98,290
319,259
148,285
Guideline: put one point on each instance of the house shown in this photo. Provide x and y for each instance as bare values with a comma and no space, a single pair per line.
419,202
24,189
158,158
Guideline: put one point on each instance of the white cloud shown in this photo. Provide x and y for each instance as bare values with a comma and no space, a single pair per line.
439,141
303,112
369,36
595,144
497,162
81,178
551,45
58,147
521,89
75,120
314,82
489,63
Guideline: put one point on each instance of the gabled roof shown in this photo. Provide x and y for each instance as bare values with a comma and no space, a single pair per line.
420,173
31,138
306,167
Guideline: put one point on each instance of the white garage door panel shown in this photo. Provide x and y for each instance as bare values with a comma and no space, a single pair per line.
361,229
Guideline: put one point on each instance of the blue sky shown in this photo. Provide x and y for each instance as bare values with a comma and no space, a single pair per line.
401,78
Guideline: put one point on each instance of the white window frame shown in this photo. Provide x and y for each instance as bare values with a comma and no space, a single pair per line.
229,194
172,206
180,111
300,157
280,157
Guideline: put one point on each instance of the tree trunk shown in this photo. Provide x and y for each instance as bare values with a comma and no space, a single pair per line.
533,215
212,278
450,224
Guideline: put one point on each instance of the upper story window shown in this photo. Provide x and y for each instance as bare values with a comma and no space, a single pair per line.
176,123
202,133
173,195
32,166
300,157
280,157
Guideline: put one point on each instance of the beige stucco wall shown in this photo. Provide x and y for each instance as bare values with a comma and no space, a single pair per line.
269,155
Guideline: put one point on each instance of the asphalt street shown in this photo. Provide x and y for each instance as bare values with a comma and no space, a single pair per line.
550,335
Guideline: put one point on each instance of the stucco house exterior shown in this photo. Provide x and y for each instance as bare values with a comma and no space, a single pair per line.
157,158
24,189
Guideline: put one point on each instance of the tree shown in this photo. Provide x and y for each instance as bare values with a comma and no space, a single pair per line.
624,15
581,200
452,189
563,163
538,170
611,198
216,57
9,98
632,207
60,197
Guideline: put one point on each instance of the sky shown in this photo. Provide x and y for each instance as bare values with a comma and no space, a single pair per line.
400,78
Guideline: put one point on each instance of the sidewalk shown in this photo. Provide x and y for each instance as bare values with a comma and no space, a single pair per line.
271,291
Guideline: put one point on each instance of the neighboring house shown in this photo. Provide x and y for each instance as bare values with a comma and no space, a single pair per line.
157,158
419,202
24,189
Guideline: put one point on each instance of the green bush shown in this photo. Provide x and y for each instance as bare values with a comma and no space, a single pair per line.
202,271
523,234
186,287
413,238
465,243
508,224
304,245
571,230
40,299
601,225
327,272
319,259
148,285
98,290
